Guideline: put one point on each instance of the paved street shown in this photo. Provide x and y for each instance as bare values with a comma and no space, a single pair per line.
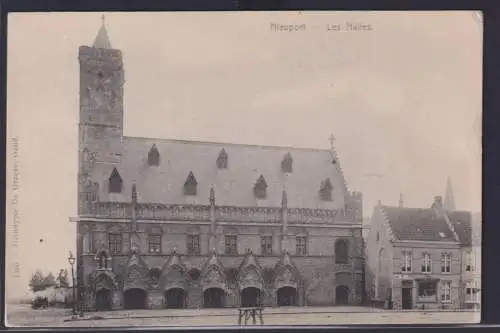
23,315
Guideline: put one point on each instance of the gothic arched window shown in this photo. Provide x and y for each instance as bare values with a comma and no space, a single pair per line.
341,252
260,188
222,160
190,185
115,182
154,156
287,163
325,190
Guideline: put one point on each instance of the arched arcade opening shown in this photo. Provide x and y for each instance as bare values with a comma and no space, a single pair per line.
251,297
103,299
342,295
287,296
213,298
135,298
175,298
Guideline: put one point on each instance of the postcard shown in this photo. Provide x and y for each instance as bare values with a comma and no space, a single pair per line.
188,169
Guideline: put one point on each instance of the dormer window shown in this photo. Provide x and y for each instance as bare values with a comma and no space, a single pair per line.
115,182
190,185
325,190
154,156
287,163
222,160
260,188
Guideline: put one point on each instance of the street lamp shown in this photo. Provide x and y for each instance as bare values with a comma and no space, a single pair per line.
71,261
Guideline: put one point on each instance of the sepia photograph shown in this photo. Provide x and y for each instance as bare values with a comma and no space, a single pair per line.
243,169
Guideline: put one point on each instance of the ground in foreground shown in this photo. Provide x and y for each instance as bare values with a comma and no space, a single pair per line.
23,315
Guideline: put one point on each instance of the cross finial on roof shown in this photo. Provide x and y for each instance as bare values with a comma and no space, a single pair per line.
332,140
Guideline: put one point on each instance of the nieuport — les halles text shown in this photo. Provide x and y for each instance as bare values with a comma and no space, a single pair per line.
329,27
276,27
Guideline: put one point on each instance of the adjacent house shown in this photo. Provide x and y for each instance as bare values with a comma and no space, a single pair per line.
414,257
468,229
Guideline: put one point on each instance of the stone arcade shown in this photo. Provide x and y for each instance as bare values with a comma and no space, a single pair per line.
185,224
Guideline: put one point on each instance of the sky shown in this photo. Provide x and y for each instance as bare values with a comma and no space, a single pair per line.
403,101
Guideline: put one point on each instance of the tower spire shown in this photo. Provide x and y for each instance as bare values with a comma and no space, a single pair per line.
102,39
449,197
332,141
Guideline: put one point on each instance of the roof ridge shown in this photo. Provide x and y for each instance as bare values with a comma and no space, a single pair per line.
219,143
386,223
451,226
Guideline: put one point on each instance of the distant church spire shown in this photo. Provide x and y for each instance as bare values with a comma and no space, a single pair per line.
449,198
102,40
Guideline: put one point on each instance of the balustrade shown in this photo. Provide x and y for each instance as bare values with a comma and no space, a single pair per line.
222,213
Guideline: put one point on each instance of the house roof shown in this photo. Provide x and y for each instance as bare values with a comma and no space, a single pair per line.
417,224
234,186
462,223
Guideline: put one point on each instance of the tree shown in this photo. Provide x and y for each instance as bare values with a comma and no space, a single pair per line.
49,281
37,281
62,279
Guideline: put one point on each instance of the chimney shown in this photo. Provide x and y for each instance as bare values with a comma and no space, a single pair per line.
401,203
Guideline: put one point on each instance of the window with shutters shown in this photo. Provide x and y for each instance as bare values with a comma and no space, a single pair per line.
446,263
115,242
301,246
406,262
266,244
193,245
472,292
427,264
154,243
446,292
231,245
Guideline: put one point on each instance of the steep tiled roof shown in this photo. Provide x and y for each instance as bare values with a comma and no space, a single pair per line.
418,224
462,223
233,186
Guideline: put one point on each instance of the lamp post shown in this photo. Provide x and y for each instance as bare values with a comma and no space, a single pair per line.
71,261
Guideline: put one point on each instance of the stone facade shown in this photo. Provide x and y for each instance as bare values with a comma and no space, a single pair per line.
143,243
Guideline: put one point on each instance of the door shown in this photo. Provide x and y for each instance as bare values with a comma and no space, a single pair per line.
103,300
342,295
407,298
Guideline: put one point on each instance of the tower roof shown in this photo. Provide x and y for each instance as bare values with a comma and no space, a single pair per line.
102,39
449,197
